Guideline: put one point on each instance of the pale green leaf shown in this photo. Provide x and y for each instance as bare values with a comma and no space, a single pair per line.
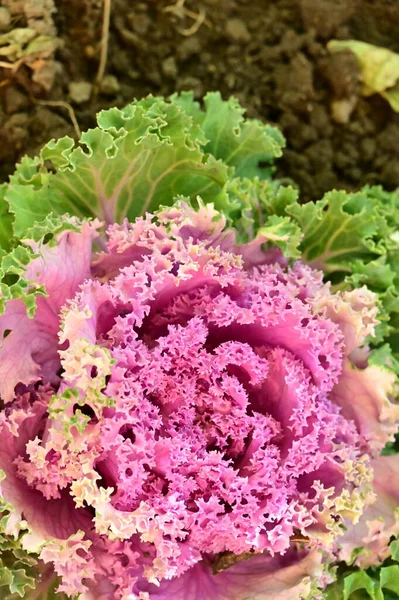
379,68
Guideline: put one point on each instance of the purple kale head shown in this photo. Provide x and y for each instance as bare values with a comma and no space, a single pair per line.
180,422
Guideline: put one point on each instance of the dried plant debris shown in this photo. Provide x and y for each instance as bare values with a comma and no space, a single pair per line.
379,68
29,37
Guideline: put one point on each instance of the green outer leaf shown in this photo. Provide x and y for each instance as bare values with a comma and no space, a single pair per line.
258,207
359,581
16,580
383,357
354,239
394,548
379,276
5,220
137,158
140,157
380,583
284,234
149,153
389,578
362,585
17,568
335,233
334,591
22,574
13,283
242,143
45,589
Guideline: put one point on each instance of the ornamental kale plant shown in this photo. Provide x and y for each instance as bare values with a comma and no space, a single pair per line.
189,410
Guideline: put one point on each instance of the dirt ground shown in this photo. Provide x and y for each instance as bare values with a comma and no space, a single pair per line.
271,54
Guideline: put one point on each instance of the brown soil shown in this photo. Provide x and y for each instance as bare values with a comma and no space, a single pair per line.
271,54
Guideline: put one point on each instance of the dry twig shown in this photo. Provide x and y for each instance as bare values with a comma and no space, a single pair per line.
104,41
13,66
62,104
181,11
